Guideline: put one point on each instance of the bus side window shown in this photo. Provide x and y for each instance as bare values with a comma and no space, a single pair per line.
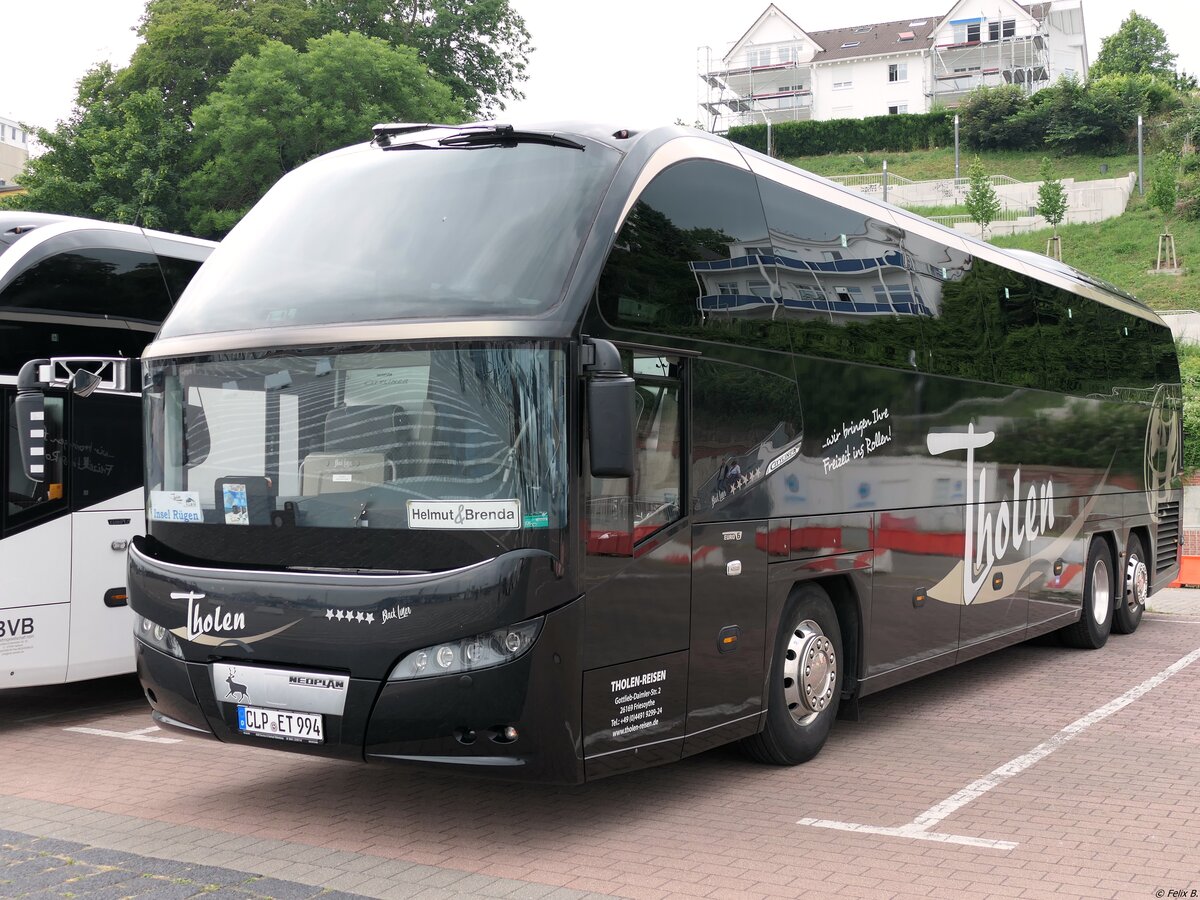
1009,304
624,511
104,462
26,500
97,281
693,259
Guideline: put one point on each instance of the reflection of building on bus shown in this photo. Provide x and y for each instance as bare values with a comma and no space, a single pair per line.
849,276
74,290
693,416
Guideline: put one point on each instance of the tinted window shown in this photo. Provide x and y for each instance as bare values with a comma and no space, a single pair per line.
105,450
1078,345
100,282
373,234
955,330
1008,301
694,258
623,511
742,419
844,283
21,341
177,273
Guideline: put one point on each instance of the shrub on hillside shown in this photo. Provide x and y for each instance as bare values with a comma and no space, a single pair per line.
899,133
1147,95
990,119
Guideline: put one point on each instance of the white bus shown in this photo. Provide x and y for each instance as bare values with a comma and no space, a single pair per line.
72,292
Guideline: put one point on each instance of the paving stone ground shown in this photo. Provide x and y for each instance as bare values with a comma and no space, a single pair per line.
32,866
1113,810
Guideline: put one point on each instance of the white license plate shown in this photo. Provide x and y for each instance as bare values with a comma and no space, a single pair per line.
278,723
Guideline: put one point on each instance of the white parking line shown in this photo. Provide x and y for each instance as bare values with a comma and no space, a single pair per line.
142,734
918,828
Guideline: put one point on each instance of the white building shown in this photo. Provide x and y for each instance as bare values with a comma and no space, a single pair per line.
777,70
14,149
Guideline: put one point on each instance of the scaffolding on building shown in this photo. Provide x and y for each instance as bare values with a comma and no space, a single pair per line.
764,83
993,52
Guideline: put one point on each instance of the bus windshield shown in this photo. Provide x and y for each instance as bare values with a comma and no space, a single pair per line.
452,438
404,234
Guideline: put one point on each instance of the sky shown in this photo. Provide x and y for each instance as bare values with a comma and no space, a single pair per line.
629,62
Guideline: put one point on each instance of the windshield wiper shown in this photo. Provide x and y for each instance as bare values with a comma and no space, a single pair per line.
506,136
466,136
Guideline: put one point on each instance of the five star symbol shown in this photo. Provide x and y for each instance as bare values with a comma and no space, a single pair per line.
349,616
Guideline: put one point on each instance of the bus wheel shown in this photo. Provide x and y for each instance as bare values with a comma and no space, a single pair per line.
1095,619
806,681
1133,592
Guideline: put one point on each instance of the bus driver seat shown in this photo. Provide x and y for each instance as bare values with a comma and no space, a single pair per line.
362,444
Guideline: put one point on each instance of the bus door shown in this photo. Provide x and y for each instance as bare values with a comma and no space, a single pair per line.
105,456
638,574
729,594
35,542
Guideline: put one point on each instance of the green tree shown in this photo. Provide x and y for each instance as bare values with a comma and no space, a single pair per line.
280,108
115,158
982,204
123,152
1052,198
480,48
1164,189
1138,47
188,46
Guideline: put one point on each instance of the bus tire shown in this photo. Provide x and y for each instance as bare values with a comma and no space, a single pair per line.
805,683
1133,590
1096,616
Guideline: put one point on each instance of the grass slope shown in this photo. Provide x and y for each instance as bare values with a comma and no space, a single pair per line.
1122,250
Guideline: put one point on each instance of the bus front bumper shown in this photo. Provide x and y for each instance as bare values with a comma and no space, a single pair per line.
518,720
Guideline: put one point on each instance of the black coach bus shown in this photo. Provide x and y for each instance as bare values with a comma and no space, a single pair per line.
562,452
76,295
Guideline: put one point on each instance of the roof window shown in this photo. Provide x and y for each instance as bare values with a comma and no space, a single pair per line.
850,44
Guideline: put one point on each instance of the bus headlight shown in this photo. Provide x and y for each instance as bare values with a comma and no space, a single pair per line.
156,636
480,651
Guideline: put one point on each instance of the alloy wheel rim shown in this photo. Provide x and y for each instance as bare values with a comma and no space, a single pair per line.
1137,583
809,672
1101,591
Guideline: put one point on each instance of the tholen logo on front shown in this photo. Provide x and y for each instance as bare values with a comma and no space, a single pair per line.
201,621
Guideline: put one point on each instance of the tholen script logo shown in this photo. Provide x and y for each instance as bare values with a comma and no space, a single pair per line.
213,621
990,533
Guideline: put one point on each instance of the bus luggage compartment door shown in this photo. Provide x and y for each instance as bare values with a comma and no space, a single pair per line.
728,634
35,616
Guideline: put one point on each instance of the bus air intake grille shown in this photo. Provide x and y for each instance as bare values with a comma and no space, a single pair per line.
1167,537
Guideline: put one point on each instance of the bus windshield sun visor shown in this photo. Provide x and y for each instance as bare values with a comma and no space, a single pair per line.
491,136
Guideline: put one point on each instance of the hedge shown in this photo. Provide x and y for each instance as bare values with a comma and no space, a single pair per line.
898,133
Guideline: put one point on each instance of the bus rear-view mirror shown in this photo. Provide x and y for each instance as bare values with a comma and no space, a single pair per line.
83,383
610,405
30,410
197,441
